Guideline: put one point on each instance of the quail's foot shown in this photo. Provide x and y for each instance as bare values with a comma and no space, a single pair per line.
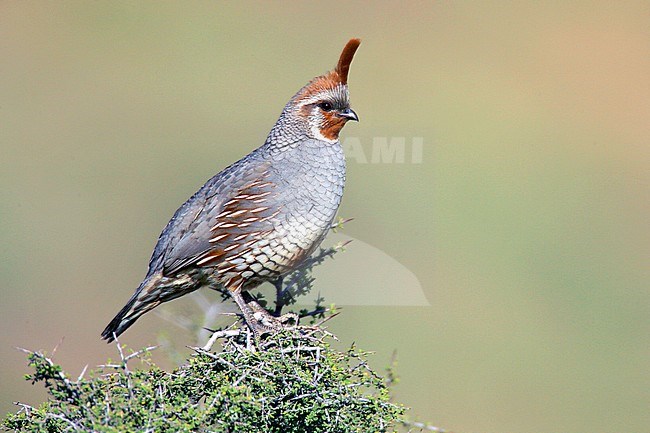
265,323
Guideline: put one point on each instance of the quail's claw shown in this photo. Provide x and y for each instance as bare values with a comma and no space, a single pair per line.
272,323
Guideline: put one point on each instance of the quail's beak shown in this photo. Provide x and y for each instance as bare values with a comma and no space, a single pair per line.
349,114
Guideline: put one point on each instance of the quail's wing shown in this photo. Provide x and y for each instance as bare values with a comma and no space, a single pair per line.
230,212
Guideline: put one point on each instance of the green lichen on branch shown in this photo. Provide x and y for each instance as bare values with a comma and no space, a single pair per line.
294,381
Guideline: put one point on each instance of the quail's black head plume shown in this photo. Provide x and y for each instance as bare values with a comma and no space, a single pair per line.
259,218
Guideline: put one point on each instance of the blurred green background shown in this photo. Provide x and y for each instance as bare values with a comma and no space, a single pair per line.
526,223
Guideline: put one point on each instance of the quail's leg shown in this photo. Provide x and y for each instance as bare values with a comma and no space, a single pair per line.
250,320
268,319
257,318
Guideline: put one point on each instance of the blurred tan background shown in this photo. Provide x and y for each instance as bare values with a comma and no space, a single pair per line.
526,222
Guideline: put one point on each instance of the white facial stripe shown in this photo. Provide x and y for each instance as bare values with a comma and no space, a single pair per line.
317,135
339,93
316,120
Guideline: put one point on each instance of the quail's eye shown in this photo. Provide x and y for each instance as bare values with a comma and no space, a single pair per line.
325,106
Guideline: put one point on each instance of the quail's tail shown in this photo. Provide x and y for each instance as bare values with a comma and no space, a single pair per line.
145,298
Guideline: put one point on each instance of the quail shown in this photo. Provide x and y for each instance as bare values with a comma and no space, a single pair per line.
262,216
